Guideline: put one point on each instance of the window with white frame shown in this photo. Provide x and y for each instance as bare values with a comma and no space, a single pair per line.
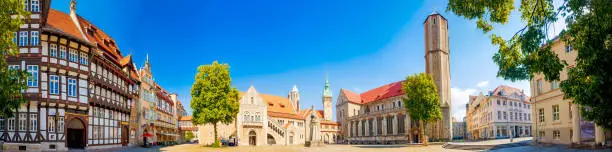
25,5
541,114
84,59
35,6
62,52
74,57
33,79
51,123
23,38
13,67
556,134
11,124
33,122
53,50
53,84
60,123
554,84
2,121
72,87
22,121
34,40
555,111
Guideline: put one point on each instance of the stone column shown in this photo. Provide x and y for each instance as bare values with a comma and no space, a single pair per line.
375,126
599,135
494,131
575,124
394,124
384,125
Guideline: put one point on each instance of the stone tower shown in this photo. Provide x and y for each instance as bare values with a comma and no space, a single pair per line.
437,64
294,97
327,101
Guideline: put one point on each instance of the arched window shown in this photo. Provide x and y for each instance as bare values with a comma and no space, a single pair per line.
252,100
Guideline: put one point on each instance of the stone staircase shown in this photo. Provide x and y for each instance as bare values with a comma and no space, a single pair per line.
277,131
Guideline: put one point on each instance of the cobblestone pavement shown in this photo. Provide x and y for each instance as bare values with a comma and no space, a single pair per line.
493,142
332,148
551,148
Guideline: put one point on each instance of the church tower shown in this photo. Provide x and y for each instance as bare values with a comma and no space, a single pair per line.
294,97
327,101
437,64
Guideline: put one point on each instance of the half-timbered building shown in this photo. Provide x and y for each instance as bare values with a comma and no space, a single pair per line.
80,86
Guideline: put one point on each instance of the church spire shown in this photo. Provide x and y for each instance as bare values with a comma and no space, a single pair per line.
327,91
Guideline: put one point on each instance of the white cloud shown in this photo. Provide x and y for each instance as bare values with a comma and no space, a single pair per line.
483,84
460,97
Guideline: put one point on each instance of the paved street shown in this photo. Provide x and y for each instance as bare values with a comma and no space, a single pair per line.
335,148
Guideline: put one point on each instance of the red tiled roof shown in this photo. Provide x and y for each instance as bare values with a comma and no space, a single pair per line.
382,92
103,40
320,114
304,113
185,118
125,60
283,115
507,90
351,96
62,22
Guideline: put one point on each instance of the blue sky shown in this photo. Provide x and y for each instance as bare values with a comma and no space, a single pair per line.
275,44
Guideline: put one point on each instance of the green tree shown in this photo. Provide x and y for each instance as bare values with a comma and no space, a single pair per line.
214,100
589,31
422,103
12,81
189,135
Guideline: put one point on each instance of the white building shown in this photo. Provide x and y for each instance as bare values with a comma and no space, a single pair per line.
501,113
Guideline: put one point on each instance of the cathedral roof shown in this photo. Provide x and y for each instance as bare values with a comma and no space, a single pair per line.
383,92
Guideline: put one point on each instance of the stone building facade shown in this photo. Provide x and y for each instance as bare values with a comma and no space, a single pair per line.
558,120
501,113
265,119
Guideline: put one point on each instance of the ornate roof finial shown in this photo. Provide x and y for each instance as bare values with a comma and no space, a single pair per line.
295,89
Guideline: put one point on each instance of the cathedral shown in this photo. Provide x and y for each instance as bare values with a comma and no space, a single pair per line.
265,119
378,116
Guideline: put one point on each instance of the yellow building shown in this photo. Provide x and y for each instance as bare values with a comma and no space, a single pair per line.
557,120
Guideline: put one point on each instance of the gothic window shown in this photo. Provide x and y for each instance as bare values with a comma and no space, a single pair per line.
390,125
401,129
362,127
379,126
370,127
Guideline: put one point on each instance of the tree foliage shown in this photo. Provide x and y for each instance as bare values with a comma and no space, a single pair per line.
524,54
12,81
422,103
214,100
189,135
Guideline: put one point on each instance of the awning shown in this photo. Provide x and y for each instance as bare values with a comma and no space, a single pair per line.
147,134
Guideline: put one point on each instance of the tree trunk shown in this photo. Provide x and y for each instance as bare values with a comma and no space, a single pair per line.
216,139
422,133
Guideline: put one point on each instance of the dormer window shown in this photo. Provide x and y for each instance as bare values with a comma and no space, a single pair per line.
282,106
270,104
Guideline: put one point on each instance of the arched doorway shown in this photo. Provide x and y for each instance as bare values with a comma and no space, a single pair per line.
326,139
271,140
75,133
252,138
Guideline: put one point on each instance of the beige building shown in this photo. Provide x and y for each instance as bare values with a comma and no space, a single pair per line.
557,120
265,119
459,129
501,113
